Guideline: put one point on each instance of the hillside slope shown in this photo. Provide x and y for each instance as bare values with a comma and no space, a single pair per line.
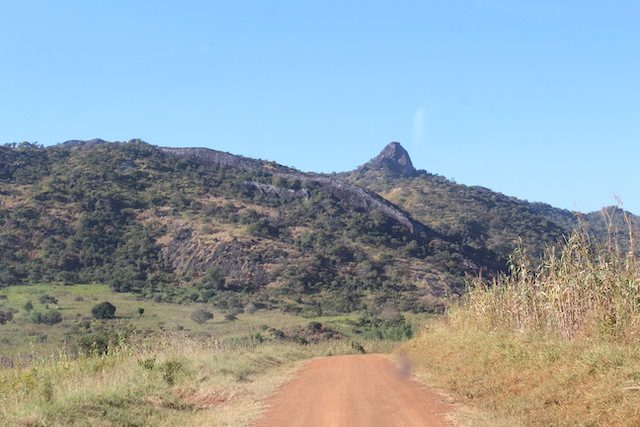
210,226
203,225
476,216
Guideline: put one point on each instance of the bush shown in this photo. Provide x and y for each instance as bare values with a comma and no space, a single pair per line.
201,316
49,317
103,311
171,369
46,299
28,306
95,344
5,316
232,315
393,327
213,279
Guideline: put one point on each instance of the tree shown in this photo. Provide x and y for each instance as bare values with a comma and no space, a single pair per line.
213,280
103,311
201,316
140,311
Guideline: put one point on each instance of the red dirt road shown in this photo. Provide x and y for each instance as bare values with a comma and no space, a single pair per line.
360,390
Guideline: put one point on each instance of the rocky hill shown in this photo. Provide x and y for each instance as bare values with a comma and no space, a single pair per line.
210,226
476,216
204,225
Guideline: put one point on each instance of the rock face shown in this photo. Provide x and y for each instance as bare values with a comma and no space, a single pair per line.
394,159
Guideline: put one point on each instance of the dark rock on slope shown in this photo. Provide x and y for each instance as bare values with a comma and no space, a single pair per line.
393,159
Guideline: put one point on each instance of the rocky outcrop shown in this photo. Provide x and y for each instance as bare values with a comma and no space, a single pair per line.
341,189
210,157
393,159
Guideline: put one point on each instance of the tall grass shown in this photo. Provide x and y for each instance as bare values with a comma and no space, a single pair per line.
554,342
585,288
172,381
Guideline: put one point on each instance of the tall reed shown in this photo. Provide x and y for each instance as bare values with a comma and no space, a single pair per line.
584,287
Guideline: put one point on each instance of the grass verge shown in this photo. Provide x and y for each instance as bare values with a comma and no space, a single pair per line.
177,382
553,343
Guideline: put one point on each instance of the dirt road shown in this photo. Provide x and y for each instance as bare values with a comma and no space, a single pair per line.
360,390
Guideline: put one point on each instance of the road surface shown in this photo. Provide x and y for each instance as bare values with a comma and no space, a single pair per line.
356,390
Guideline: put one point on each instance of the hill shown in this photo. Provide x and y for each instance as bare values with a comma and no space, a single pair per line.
203,225
476,216
199,224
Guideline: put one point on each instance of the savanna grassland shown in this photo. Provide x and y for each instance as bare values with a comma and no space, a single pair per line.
219,273
160,365
555,342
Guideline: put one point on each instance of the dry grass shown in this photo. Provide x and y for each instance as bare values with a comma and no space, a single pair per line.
177,381
582,290
553,343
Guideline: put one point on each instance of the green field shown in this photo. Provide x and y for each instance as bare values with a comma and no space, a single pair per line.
75,303
164,368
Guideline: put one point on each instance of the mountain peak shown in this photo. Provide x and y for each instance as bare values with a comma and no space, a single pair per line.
393,158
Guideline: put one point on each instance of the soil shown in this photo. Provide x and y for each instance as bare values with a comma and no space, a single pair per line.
355,390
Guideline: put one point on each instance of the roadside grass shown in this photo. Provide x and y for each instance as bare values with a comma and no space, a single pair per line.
21,338
169,370
553,343
173,381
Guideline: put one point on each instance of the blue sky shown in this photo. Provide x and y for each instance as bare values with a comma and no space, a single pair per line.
539,99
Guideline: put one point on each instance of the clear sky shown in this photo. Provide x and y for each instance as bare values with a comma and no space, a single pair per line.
539,99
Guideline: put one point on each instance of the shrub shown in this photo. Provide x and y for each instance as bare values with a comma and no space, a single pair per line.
35,316
28,306
51,317
103,311
232,315
213,280
5,316
140,311
250,308
147,364
170,370
393,328
46,300
358,347
95,344
201,316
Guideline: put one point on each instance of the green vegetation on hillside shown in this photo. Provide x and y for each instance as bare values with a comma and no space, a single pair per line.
174,228
161,367
480,218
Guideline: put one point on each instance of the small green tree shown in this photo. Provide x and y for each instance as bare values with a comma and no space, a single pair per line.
140,311
201,316
104,311
213,280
